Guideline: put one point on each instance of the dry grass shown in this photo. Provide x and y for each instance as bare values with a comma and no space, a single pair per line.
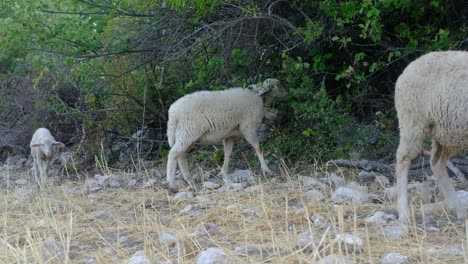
64,213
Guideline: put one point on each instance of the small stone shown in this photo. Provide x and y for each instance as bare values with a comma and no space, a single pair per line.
183,195
337,180
251,251
307,240
21,182
433,229
380,218
393,258
335,259
240,176
192,207
343,193
132,183
139,258
313,196
353,243
103,181
312,182
212,256
51,250
317,219
432,207
211,185
382,180
395,231
103,213
167,239
151,183
115,181
206,229
24,193
364,174
356,186
252,210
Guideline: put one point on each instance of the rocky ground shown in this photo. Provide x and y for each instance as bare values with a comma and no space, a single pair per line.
322,216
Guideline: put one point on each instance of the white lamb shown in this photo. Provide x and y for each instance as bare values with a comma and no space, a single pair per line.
431,98
212,117
43,147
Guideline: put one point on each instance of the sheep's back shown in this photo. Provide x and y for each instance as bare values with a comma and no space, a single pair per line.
433,91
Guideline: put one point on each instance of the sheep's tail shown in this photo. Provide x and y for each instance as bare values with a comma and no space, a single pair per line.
171,130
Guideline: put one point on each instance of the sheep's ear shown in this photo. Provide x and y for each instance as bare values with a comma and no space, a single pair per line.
58,144
36,145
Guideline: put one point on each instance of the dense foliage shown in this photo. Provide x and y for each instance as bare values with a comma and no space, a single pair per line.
99,70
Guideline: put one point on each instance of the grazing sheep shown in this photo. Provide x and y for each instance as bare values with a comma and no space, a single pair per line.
431,98
212,117
43,147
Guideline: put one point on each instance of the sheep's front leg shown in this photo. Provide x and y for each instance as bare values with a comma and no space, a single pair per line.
251,136
227,144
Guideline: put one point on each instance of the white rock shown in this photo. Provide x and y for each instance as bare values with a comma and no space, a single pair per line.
132,183
103,213
90,184
212,256
337,180
115,181
433,229
103,181
139,258
335,259
192,207
309,181
431,207
150,182
211,185
252,210
300,211
21,182
395,231
317,219
52,250
206,229
251,251
183,195
313,196
240,176
167,239
344,193
234,207
364,174
24,193
356,186
380,218
307,240
382,180
393,258
353,243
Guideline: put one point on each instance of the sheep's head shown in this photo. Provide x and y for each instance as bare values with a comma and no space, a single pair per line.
48,146
273,88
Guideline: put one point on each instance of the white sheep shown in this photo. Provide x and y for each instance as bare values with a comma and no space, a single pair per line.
431,98
212,117
43,147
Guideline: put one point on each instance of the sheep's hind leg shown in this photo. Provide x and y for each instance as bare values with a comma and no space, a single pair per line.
439,157
409,147
227,145
183,164
172,157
